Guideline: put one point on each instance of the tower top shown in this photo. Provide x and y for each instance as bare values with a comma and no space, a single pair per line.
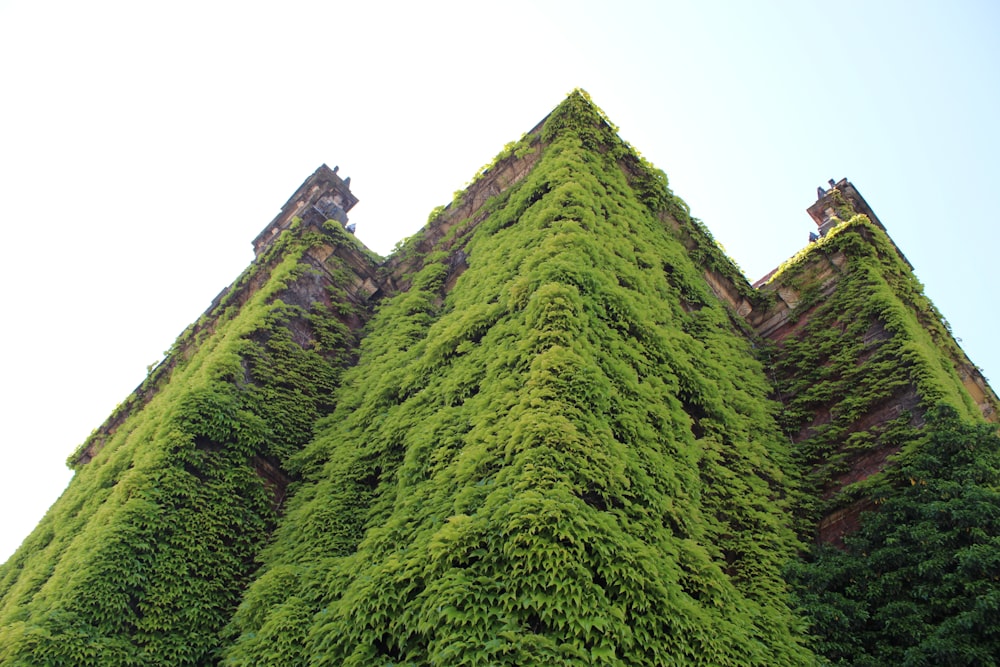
324,191
825,208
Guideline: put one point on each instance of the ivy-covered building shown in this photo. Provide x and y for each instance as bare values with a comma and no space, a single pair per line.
556,426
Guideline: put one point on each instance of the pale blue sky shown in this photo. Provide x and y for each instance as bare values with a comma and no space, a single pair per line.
143,146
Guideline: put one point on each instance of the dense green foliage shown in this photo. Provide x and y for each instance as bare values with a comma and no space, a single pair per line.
567,459
919,583
870,343
143,558
554,446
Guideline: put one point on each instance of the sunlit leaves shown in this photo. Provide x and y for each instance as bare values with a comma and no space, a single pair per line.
568,458
143,559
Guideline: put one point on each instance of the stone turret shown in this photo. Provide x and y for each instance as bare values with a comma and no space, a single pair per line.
324,195
839,203
841,193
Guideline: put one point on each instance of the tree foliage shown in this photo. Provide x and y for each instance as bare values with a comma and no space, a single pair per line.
919,583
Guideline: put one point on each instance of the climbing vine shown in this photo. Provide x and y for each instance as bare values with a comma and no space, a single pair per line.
555,445
875,340
568,458
882,422
143,558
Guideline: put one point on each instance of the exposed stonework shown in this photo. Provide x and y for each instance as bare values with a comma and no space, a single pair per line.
324,192
275,480
791,312
778,322
305,290
458,218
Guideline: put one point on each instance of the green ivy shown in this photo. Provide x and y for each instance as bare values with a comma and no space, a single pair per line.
874,340
566,459
916,584
143,558
562,450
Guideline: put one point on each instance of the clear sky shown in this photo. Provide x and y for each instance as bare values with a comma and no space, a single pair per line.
144,145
